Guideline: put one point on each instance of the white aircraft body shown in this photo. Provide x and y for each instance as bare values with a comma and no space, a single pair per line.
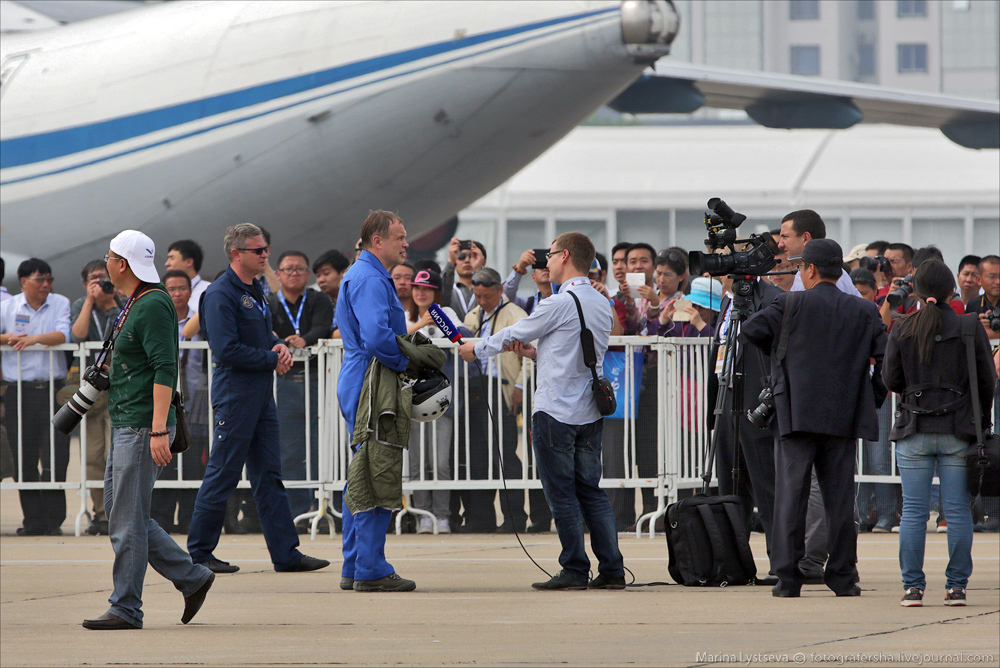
181,119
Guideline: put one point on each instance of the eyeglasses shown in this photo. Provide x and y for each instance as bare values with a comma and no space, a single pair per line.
109,256
40,279
555,252
258,251
485,284
297,271
174,291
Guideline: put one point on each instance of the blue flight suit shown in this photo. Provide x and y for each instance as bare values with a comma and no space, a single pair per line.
237,323
370,316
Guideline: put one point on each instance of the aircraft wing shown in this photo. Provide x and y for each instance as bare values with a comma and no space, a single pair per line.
789,101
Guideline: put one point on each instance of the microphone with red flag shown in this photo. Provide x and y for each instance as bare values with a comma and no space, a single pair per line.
444,323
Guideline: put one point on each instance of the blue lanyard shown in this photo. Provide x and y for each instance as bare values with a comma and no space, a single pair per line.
262,307
298,317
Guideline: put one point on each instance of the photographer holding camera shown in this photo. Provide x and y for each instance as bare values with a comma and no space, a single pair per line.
92,317
821,409
143,376
926,363
987,305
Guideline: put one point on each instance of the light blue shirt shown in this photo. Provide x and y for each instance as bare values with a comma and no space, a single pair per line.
563,381
52,316
844,284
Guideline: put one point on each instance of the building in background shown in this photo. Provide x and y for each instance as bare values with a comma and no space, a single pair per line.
943,46
651,183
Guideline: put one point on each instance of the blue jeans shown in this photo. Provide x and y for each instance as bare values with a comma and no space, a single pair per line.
916,457
135,537
569,465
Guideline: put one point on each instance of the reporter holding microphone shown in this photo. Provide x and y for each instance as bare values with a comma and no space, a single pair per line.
567,424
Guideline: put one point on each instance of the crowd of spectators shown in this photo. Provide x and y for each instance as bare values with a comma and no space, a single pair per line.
655,294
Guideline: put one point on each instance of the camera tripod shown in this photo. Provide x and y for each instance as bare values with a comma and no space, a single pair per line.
731,383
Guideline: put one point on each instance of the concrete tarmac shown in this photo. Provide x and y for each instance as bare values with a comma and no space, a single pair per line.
474,606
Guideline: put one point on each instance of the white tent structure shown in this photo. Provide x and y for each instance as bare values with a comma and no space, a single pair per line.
650,183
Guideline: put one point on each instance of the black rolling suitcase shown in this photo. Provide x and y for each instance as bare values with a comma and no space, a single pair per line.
707,542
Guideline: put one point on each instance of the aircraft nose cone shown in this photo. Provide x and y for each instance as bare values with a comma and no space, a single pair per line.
649,27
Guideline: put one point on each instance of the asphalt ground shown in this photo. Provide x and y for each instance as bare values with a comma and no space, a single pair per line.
474,606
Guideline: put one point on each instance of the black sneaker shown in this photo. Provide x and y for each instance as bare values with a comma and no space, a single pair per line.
603,581
561,581
391,582
954,596
912,598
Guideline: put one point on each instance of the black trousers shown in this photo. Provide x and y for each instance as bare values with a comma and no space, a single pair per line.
44,509
479,513
834,458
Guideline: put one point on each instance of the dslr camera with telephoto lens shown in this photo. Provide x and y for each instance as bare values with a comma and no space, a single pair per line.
93,381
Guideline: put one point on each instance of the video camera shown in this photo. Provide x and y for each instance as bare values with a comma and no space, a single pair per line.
756,258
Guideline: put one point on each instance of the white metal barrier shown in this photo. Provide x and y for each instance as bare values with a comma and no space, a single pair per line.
678,442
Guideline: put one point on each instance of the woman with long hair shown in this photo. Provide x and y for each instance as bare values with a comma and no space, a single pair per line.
925,363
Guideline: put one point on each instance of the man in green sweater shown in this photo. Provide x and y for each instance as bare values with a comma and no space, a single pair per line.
143,377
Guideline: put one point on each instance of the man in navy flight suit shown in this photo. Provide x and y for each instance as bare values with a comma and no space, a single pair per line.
237,324
370,316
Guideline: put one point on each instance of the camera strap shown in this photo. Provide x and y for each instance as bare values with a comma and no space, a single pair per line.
116,329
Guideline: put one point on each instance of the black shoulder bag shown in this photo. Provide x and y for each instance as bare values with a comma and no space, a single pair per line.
982,459
604,393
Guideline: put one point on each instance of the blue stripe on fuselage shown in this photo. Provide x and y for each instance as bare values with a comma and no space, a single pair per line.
31,149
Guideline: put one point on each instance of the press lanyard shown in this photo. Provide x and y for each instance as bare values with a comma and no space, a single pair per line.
298,317
102,331
262,307
467,305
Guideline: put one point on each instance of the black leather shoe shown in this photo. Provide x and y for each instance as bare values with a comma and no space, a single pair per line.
561,581
219,566
855,590
767,581
306,563
346,583
778,592
192,603
108,622
603,581
56,531
98,528
21,531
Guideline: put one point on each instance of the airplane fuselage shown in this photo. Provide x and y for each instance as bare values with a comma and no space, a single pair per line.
184,118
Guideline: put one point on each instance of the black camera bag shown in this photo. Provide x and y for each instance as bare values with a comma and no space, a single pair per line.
707,542
604,393
982,458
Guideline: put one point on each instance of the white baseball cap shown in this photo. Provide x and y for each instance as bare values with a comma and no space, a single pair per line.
139,250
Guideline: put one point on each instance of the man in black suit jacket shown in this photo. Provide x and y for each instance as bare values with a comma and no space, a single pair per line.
824,401
757,463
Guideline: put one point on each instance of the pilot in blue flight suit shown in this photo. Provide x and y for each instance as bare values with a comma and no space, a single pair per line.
246,353
370,316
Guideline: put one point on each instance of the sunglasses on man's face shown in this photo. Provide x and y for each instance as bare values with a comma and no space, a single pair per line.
258,251
485,284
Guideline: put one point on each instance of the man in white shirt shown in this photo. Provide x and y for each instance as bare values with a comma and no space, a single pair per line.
36,316
566,425
186,255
